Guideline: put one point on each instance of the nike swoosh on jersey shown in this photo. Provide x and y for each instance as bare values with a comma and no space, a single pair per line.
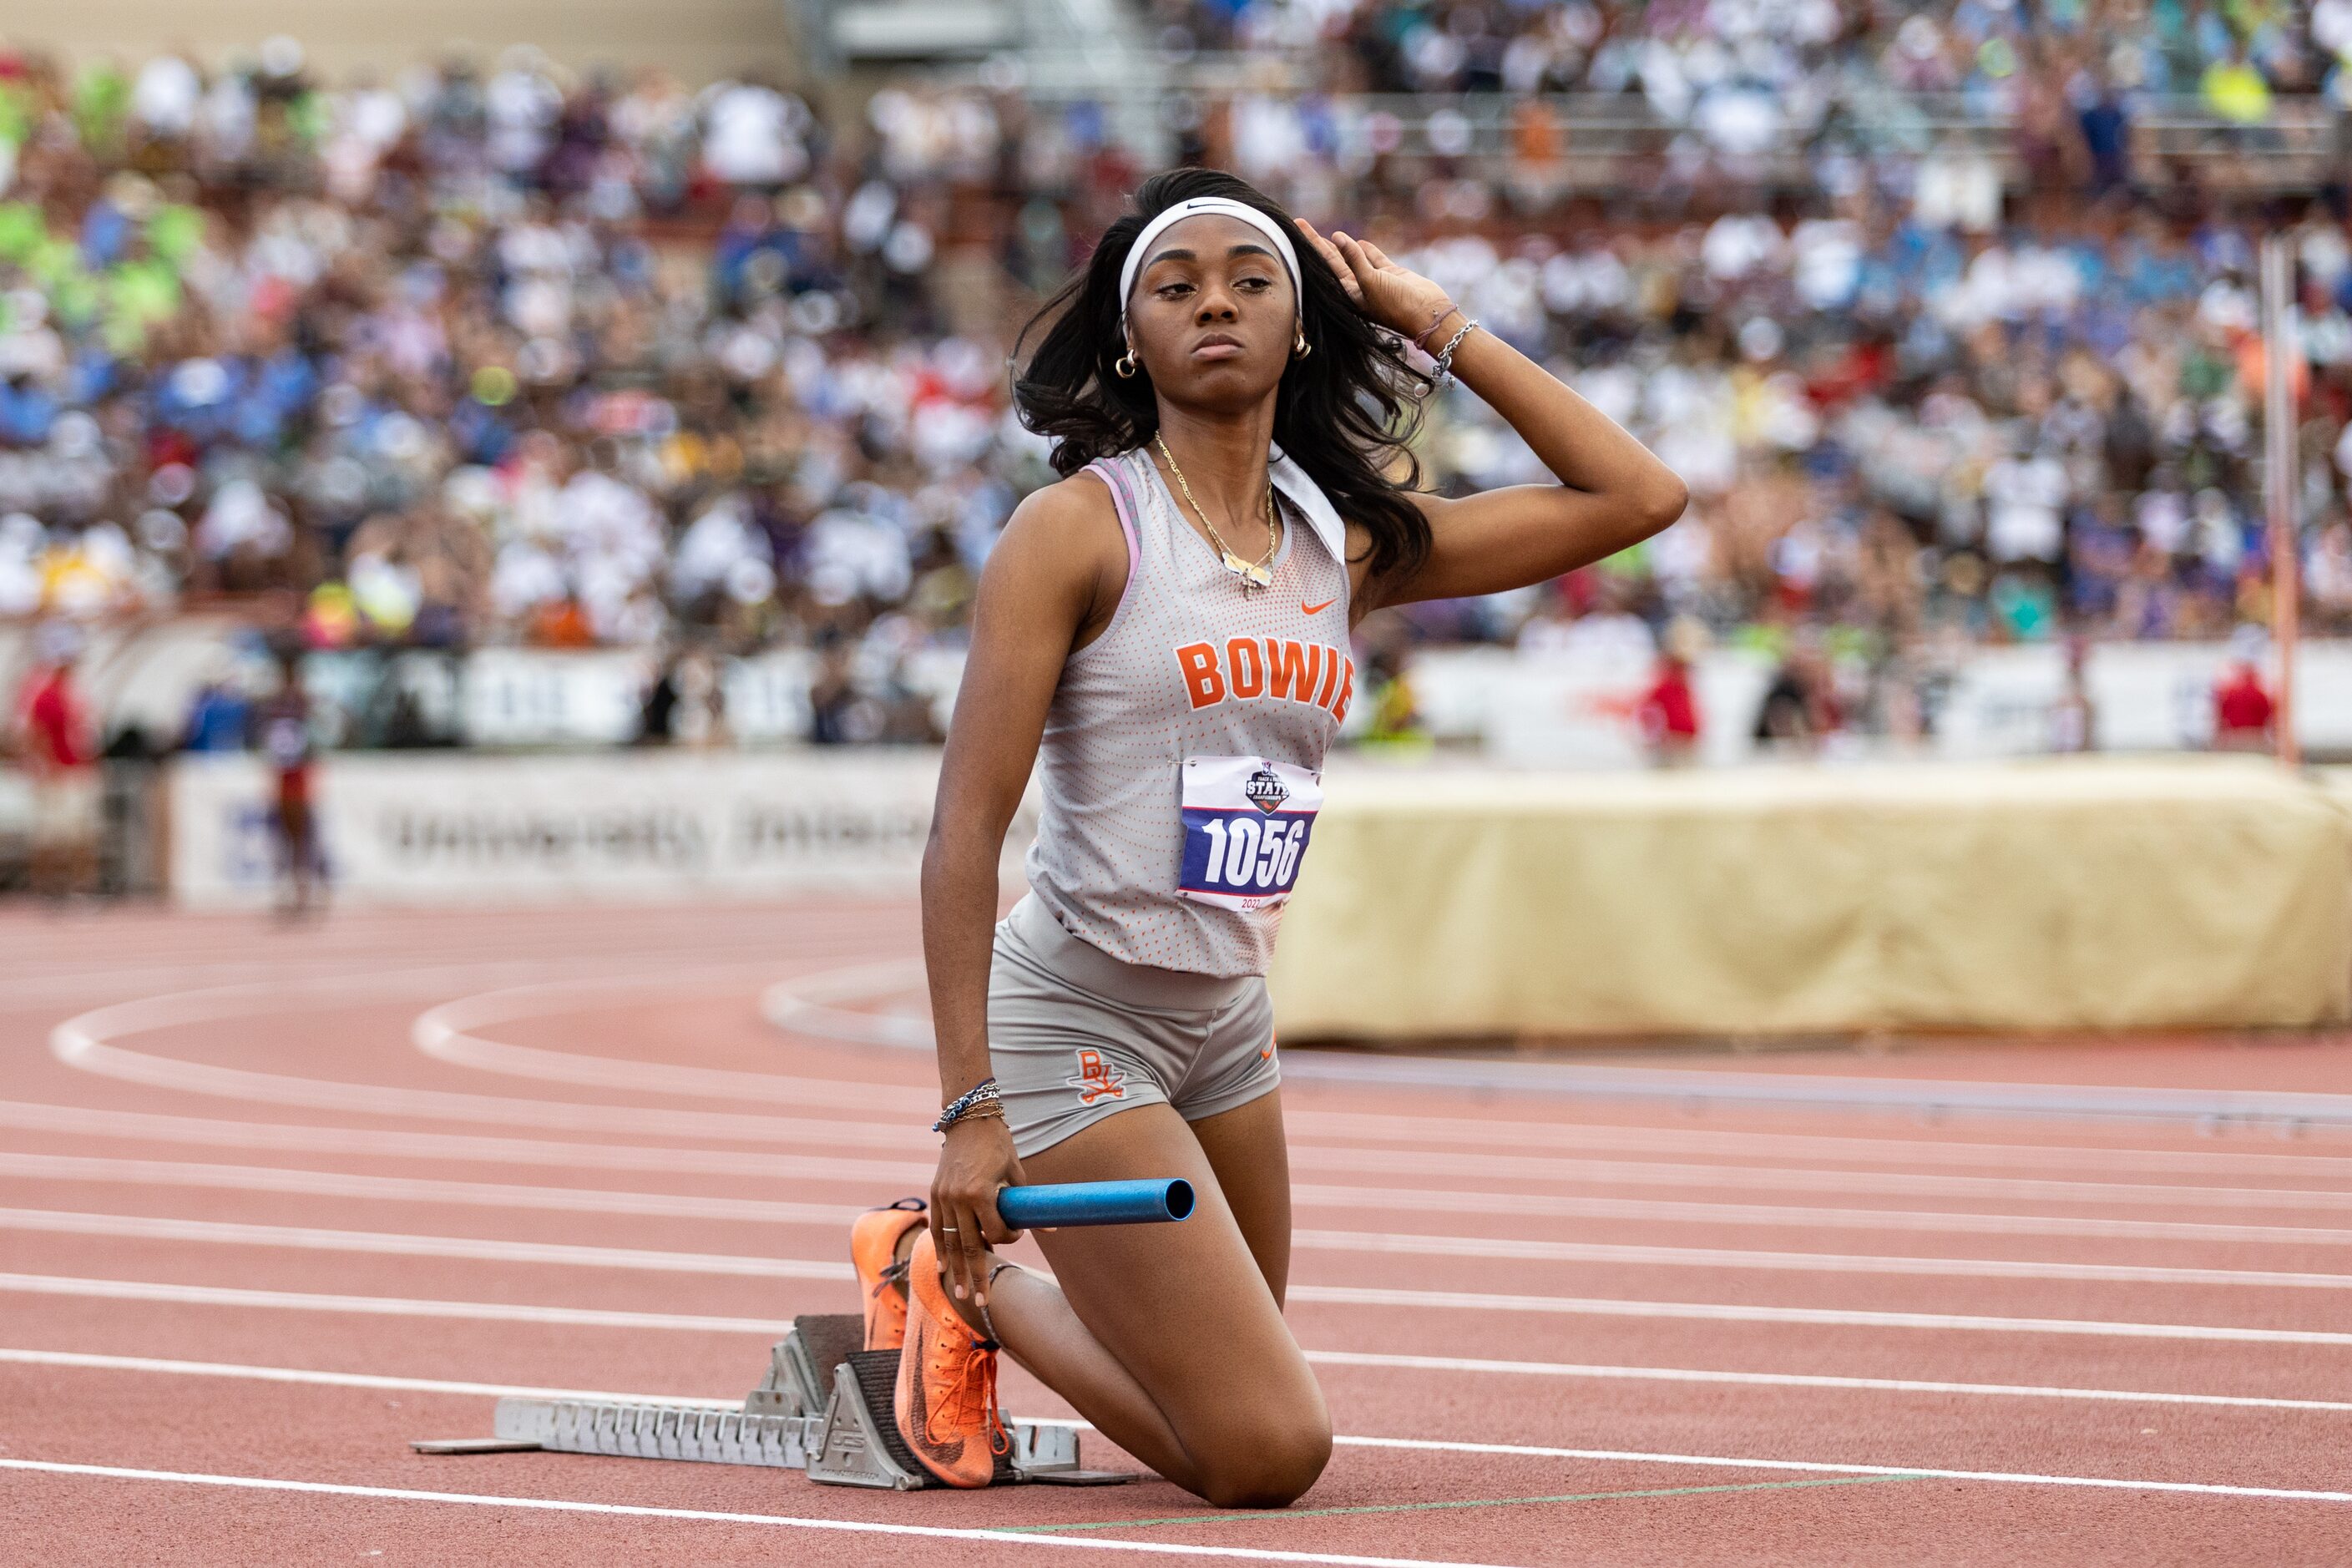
1315,609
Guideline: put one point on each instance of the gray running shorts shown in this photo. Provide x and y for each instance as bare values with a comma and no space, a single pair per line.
1074,1035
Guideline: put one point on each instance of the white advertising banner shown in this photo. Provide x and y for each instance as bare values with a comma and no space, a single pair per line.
1582,711
533,696
453,827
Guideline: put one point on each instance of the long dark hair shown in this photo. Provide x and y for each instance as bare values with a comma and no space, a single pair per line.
1344,414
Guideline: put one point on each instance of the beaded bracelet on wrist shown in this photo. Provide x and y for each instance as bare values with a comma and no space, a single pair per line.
968,1104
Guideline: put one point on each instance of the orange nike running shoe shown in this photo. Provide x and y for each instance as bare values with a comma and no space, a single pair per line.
873,1238
946,1397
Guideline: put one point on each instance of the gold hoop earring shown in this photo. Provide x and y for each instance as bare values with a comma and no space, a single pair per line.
1301,348
1125,365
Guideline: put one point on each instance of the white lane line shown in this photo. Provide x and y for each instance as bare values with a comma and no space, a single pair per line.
445,1034
383,1305
1648,1174
164,1366
82,1042
2008,1477
1416,1444
718,1516
1533,1251
1808,1380
1405,1200
422,1190
804,1004
1340,1295
405,1244
209,1132
1432,1200
361,960
392,1244
1830,1147
1708,1312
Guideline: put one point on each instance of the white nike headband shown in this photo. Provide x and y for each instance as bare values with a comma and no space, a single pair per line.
1204,206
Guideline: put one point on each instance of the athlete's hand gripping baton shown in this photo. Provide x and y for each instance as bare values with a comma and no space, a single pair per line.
1095,1203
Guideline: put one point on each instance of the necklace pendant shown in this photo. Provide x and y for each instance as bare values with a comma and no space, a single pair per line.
1253,573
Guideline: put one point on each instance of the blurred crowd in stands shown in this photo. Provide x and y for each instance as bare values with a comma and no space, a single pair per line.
1748,67
508,354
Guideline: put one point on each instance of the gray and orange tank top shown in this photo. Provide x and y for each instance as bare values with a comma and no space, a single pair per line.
1182,756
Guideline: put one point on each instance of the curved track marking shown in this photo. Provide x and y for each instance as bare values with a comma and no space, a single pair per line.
810,1004
806,1004
1328,1138
1383,1200
84,1042
1449,1364
443,1034
72,1222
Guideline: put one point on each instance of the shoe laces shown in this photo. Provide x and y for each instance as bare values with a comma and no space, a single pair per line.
971,1400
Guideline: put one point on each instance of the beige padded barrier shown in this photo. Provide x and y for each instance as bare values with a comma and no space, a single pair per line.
2094,894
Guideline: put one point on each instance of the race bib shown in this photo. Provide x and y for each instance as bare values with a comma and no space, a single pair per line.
1245,826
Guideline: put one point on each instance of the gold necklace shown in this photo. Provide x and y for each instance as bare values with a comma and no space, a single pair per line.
1253,573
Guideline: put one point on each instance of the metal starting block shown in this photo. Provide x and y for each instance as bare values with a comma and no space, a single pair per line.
824,1407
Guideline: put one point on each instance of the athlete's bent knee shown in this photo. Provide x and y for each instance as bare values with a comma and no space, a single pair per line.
1270,1467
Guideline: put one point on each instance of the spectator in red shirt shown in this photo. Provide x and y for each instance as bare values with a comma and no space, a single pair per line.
1669,715
54,743
2242,708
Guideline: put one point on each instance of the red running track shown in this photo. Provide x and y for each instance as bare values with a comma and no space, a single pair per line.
275,1201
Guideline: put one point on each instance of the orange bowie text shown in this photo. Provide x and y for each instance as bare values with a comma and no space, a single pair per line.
1247,669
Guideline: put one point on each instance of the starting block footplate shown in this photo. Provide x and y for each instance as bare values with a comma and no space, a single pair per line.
824,1407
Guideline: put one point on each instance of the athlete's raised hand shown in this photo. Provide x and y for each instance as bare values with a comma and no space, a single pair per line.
1396,297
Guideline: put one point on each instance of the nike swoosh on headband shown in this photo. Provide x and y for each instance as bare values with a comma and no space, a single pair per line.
1204,206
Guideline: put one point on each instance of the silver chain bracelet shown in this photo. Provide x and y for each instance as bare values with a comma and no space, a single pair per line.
1444,372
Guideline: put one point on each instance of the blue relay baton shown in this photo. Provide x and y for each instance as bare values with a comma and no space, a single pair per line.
1095,1203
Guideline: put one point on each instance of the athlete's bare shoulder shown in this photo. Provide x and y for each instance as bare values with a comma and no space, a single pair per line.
1068,511
1064,539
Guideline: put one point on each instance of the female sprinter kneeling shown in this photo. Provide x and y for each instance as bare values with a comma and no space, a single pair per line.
1166,631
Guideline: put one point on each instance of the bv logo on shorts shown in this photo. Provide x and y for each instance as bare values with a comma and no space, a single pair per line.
1096,1079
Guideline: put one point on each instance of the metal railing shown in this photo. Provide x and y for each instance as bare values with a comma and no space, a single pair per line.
1621,142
